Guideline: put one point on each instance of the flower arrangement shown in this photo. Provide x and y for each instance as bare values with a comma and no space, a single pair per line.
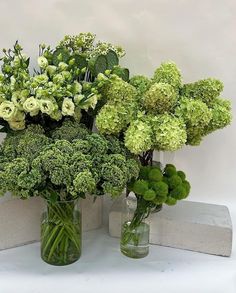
51,151
152,189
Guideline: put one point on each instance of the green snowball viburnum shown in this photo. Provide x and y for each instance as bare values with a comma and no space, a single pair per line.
138,137
206,90
170,74
169,132
160,98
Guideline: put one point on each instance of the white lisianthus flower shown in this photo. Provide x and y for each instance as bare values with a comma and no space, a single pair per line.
7,110
58,78
56,115
91,102
78,87
51,69
31,105
42,62
18,99
78,99
62,66
46,106
68,107
40,79
2,98
13,82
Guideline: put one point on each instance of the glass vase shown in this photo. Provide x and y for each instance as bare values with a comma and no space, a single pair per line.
61,233
135,229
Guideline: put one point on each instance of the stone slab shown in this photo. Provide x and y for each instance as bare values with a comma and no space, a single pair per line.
195,226
20,219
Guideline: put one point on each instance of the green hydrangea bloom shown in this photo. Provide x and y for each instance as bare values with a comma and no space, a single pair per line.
169,132
112,119
168,73
141,83
160,98
206,90
221,115
138,137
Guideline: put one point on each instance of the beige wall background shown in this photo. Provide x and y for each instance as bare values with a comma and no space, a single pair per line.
198,35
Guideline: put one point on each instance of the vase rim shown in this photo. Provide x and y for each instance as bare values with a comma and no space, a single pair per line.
62,201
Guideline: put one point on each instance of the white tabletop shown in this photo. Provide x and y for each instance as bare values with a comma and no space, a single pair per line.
102,268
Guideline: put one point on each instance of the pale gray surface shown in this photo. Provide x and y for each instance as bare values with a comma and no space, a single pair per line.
20,219
189,225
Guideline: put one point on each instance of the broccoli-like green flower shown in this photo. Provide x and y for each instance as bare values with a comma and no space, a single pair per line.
98,144
108,188
221,115
168,73
138,137
160,98
80,162
113,174
115,146
169,132
112,119
141,83
84,182
206,90
81,145
133,168
70,130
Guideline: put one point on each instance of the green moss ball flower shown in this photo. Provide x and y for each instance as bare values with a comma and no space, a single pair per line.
170,170
181,174
149,195
160,98
141,83
155,175
174,181
31,105
169,132
161,188
138,137
140,187
68,107
168,73
179,192
170,201
206,90
7,110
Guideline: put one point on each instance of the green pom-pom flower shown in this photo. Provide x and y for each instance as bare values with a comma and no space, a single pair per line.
138,137
140,187
155,175
149,195
168,73
161,188
174,181
170,170
144,172
181,174
170,201
179,192
206,90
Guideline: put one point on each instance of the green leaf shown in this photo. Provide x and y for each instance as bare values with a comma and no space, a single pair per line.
60,55
121,72
112,59
98,65
80,61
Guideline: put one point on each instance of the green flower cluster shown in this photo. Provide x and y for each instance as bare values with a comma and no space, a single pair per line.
163,113
68,164
64,85
157,187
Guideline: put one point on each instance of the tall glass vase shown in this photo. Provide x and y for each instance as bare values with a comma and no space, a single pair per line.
61,233
135,228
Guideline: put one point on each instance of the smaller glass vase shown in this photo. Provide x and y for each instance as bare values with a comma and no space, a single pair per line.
135,229
61,233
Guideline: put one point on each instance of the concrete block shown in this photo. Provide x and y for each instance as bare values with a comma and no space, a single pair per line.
195,226
20,219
